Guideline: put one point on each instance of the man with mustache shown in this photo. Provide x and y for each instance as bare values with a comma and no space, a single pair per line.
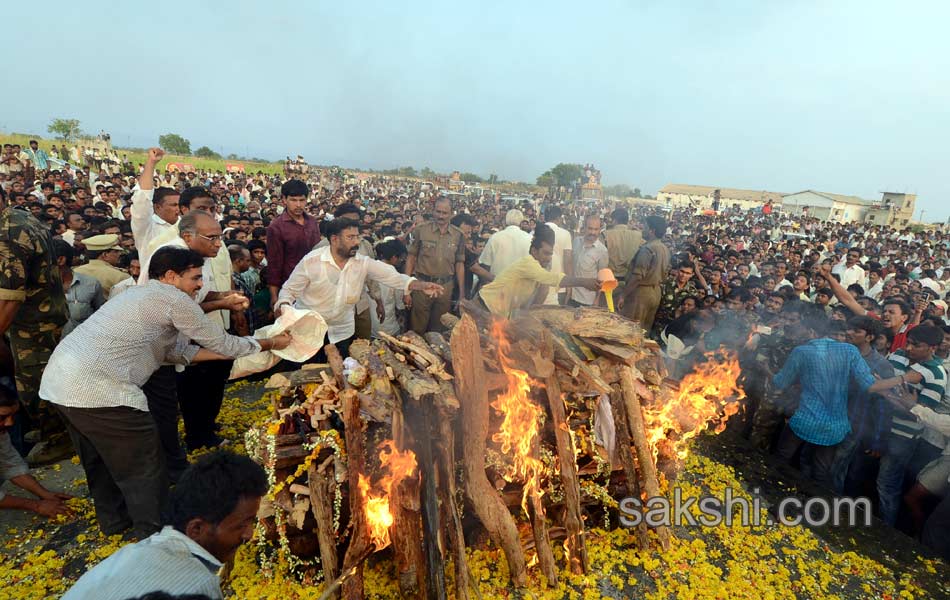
329,281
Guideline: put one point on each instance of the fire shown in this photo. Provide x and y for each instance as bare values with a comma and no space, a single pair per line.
519,430
709,395
396,466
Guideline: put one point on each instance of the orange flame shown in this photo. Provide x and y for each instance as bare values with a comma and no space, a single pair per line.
519,430
395,466
709,395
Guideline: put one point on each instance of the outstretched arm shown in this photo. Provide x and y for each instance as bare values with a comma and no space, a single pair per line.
843,295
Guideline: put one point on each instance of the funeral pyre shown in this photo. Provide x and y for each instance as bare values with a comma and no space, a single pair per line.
522,432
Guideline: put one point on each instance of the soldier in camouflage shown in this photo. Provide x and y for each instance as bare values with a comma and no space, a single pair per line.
32,313
672,292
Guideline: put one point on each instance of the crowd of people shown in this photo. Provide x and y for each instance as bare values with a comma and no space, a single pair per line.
126,294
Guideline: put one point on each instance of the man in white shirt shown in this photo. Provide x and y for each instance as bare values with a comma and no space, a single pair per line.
562,261
850,270
330,280
781,269
212,511
875,285
507,246
75,224
152,212
590,256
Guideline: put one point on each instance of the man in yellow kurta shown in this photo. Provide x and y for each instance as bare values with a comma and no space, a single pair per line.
104,252
641,295
526,281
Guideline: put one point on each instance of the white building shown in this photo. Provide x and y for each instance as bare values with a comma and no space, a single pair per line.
827,206
677,195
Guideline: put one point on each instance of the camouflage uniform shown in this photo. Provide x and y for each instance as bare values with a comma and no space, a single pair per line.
774,406
28,274
670,298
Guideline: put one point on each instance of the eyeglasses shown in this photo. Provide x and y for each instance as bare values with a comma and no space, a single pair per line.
211,238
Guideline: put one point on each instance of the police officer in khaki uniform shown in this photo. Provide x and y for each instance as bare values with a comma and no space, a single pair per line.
437,254
104,253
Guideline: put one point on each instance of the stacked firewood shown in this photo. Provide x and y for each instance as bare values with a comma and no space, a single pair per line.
432,397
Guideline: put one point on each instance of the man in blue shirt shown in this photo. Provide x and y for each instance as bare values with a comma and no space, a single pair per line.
38,157
824,368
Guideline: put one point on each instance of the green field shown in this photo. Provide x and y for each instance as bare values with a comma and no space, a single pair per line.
138,156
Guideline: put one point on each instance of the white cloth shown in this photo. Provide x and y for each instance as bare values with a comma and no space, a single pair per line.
562,242
504,248
308,330
168,561
318,284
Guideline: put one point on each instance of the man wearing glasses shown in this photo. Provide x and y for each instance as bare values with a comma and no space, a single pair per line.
199,389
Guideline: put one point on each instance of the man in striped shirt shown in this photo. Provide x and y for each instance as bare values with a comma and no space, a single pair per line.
910,444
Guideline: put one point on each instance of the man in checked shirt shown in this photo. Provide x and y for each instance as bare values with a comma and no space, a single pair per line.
95,378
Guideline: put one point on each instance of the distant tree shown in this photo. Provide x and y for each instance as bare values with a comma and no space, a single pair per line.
547,180
471,178
427,173
493,179
206,152
621,190
407,172
636,193
564,174
231,156
174,143
64,129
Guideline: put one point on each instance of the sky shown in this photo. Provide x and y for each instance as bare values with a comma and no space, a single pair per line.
844,97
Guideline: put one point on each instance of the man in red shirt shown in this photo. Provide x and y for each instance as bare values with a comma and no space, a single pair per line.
290,236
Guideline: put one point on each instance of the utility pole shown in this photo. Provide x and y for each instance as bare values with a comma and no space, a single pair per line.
921,219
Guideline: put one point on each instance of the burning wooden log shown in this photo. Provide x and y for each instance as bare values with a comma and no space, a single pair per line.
644,450
452,522
539,527
360,545
407,520
625,455
473,396
573,522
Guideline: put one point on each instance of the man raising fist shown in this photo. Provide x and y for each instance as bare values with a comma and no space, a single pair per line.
153,211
